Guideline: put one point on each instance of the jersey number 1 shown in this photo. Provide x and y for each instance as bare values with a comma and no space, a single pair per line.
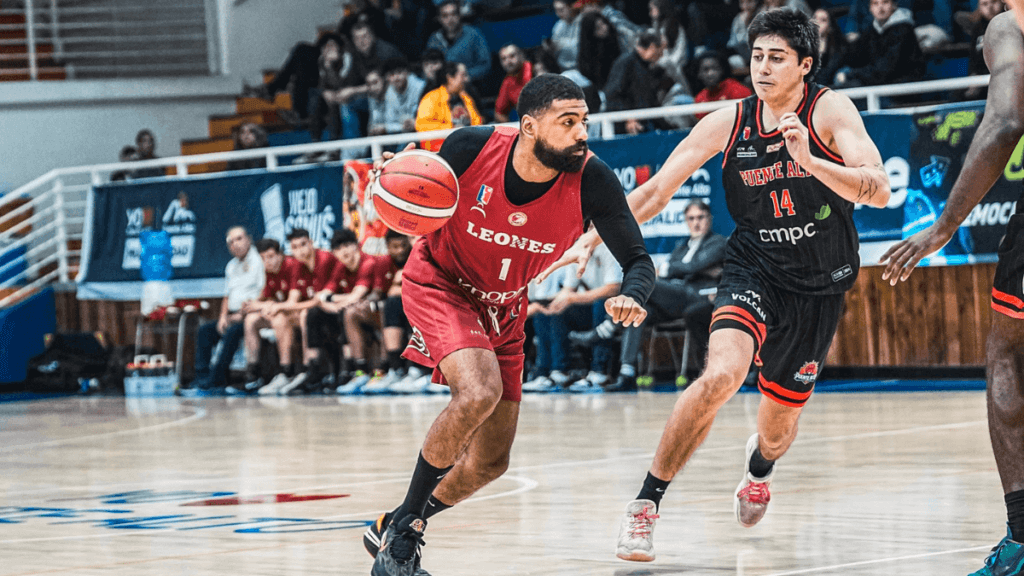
786,203
505,263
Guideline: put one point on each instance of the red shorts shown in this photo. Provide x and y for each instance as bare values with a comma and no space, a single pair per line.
445,319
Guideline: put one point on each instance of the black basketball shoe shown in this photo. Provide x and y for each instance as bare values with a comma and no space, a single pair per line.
399,553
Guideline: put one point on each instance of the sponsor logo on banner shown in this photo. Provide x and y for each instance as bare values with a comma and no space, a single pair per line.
672,220
178,221
808,373
303,211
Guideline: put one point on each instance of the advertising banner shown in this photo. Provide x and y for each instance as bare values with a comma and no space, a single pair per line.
197,213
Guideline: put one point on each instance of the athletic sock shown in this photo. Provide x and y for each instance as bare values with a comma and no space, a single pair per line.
1015,514
759,465
654,488
425,478
628,370
289,370
434,507
252,372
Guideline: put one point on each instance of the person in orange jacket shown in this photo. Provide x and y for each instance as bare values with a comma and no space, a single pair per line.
448,106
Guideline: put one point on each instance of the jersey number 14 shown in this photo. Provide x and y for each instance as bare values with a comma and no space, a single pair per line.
786,204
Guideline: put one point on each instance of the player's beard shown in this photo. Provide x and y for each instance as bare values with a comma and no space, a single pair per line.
562,160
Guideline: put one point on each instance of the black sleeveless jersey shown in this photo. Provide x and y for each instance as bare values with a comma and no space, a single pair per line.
792,229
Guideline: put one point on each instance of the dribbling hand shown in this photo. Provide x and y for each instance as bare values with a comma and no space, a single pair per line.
624,310
379,162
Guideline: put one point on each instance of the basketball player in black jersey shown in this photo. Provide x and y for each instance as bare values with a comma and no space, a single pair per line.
797,158
1001,129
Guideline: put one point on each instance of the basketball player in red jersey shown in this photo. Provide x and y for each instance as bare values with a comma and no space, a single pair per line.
796,159
1000,130
525,196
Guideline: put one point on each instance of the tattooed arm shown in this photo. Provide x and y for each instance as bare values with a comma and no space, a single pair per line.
863,179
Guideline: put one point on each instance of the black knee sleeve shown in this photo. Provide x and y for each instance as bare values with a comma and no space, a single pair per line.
394,314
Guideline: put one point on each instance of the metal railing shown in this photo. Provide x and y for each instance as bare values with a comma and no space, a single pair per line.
56,201
112,39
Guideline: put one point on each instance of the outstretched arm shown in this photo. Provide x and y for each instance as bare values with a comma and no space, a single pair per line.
709,137
994,141
836,120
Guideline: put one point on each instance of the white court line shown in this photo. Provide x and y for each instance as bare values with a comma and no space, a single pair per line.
880,561
199,413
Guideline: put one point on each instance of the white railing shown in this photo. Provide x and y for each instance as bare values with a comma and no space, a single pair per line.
57,199
112,39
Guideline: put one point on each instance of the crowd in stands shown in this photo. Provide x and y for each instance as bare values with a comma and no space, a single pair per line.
335,317
395,67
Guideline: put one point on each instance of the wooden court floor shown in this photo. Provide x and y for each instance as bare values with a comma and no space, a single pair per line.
876,484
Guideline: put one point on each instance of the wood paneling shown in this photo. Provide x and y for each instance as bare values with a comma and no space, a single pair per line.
939,317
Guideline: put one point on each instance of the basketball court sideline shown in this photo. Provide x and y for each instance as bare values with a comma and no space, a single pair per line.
875,484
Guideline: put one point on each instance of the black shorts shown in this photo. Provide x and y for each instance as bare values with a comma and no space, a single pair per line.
1008,286
792,332
325,330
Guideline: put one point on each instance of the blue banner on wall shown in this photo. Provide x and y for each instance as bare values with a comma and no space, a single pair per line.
197,214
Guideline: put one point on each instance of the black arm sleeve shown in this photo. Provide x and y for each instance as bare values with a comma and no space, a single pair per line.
462,147
604,202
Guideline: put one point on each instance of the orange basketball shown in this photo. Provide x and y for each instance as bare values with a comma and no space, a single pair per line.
415,192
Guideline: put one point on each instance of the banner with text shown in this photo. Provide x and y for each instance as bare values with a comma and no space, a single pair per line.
197,214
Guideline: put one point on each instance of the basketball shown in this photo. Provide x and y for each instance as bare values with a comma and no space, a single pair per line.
415,192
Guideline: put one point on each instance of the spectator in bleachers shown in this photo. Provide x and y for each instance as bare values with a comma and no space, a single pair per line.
381,310
431,66
632,85
461,42
370,51
598,48
402,99
342,95
799,5
145,145
278,270
564,41
301,71
975,24
410,22
375,95
363,12
694,265
517,73
628,30
713,73
127,154
665,22
249,136
308,282
323,326
832,44
738,36
243,277
886,52
449,106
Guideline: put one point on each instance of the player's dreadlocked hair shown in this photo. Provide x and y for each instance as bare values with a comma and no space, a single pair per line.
539,93
796,28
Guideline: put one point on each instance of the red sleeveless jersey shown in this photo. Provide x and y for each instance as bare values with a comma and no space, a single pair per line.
492,248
